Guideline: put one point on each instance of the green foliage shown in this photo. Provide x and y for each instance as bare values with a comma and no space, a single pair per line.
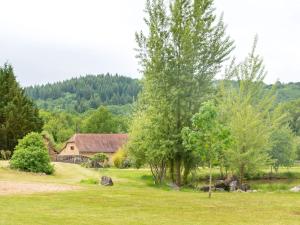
96,161
60,126
207,138
103,121
247,110
292,108
99,158
18,114
32,155
180,56
120,159
283,150
148,144
297,143
287,92
81,94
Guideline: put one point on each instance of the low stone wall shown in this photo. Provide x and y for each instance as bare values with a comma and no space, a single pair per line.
76,159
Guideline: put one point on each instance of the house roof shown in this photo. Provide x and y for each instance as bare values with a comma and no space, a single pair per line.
93,143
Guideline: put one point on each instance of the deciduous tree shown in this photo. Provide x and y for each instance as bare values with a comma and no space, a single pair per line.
207,137
183,50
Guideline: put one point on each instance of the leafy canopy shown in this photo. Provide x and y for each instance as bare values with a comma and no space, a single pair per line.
31,155
180,55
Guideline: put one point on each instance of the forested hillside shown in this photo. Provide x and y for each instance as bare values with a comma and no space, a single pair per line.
81,94
288,92
90,92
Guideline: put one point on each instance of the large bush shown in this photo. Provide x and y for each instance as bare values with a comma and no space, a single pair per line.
120,159
31,155
97,161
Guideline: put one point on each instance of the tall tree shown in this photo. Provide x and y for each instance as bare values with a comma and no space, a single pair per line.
249,112
18,114
180,56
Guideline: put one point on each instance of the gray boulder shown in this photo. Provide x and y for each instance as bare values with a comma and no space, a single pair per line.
221,184
233,185
174,186
106,181
204,188
245,187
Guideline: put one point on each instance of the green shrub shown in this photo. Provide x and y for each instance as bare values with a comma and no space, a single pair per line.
32,155
121,160
98,160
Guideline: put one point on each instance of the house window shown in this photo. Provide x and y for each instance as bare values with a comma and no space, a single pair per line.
72,147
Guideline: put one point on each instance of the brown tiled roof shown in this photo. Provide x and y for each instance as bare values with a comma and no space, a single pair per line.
93,143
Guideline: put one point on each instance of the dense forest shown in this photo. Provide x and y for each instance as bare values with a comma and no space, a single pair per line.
83,93
114,91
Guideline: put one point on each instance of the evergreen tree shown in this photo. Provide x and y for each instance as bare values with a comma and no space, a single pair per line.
81,94
18,114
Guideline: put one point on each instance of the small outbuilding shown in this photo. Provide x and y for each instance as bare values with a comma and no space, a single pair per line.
90,144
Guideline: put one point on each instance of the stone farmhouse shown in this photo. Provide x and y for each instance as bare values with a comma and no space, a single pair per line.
89,144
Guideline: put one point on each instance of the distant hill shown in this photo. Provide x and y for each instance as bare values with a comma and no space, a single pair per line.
287,92
284,92
83,93
115,91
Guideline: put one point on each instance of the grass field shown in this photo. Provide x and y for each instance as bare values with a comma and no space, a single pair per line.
134,200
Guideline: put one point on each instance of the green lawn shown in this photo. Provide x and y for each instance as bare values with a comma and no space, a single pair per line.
134,200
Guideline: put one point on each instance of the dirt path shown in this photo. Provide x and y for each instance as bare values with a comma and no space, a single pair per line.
10,187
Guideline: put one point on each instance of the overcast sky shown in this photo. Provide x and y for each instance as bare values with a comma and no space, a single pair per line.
52,40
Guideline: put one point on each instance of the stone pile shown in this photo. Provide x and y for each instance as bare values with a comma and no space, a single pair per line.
229,184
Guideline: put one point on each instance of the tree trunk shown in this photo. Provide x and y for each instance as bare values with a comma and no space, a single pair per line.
210,179
172,177
178,172
221,172
271,170
241,174
186,174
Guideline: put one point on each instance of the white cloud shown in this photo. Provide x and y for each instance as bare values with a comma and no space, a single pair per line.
52,40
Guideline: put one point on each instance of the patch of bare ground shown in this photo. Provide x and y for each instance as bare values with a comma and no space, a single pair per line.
10,187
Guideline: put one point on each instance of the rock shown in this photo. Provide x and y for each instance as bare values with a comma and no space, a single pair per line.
204,188
245,187
220,184
295,189
174,186
106,181
233,185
